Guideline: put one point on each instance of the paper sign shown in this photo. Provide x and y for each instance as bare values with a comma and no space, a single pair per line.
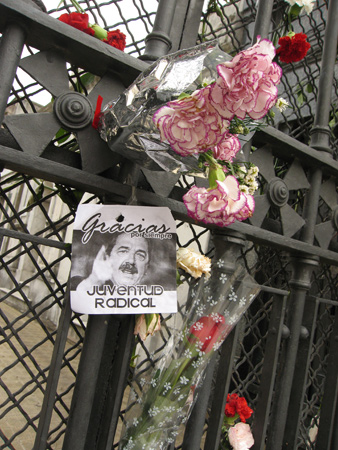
123,260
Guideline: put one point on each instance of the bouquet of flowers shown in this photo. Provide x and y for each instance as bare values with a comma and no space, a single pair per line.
186,114
162,395
235,429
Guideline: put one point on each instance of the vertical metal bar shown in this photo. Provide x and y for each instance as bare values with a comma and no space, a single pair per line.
86,382
116,384
158,42
53,376
300,283
228,247
263,19
320,133
267,381
329,402
301,370
195,426
186,22
222,384
11,46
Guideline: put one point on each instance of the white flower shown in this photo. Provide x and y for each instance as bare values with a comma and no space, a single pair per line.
200,310
281,104
188,353
244,188
193,262
198,326
135,422
153,382
153,411
240,436
242,301
220,263
166,386
184,380
233,319
216,346
232,296
307,5
223,278
216,317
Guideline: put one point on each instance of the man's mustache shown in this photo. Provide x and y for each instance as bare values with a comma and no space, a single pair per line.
128,267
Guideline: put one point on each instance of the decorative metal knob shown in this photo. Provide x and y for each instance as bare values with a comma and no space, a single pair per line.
73,110
278,192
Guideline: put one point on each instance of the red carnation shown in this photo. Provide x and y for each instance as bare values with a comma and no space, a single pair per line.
116,39
237,405
293,48
208,331
77,20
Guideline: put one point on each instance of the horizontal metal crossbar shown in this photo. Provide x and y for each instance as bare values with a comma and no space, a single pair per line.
76,47
35,239
58,173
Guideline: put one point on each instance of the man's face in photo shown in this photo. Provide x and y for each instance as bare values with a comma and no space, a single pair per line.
129,258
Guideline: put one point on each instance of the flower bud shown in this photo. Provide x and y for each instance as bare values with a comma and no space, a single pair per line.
100,33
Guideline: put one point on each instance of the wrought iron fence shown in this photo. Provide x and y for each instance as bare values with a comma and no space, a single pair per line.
280,359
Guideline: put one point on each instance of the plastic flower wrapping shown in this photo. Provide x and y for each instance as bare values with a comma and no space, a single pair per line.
186,114
163,394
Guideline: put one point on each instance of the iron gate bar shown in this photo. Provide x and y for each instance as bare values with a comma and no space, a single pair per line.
263,19
53,375
225,367
158,42
195,426
301,371
289,148
320,133
329,402
300,284
11,46
184,30
59,173
32,238
87,379
45,33
269,369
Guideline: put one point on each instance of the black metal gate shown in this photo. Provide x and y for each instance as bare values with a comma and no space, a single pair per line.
65,377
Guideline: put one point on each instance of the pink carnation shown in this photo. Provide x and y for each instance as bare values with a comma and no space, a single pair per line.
247,210
240,436
191,125
247,83
228,148
220,206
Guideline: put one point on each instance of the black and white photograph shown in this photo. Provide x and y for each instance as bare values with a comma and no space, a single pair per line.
123,260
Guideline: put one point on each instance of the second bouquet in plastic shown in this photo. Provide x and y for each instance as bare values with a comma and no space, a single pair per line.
163,395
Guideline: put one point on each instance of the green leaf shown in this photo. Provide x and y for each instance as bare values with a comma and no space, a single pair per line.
71,197
62,135
309,88
85,80
295,11
300,98
183,95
